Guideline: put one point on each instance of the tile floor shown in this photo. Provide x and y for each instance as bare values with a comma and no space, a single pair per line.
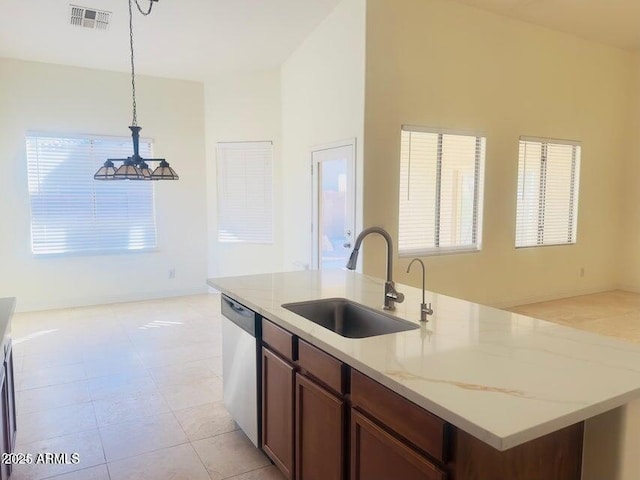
134,388
615,313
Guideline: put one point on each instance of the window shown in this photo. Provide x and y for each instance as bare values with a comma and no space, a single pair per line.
245,192
440,191
71,213
548,178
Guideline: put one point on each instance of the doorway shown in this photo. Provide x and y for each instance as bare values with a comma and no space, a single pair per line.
333,173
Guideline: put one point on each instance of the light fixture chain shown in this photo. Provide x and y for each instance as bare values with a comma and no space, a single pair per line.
151,2
134,122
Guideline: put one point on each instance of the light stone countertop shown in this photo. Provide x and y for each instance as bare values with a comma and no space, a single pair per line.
502,377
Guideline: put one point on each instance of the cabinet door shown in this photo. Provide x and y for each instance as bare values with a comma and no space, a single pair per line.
320,431
5,469
11,399
277,411
377,455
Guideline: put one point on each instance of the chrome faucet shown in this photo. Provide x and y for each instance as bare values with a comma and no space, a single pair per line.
391,295
424,308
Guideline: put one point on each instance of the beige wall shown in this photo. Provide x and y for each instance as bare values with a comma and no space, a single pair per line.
440,64
58,99
322,102
630,194
243,107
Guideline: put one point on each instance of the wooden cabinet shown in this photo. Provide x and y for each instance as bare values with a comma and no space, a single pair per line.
277,411
323,420
320,432
378,455
11,398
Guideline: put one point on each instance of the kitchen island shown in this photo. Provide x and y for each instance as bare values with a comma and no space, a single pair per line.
503,378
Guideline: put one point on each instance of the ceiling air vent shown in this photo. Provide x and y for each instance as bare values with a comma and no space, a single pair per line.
89,17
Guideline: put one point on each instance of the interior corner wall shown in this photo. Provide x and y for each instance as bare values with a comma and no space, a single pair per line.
243,107
441,64
60,99
322,103
629,253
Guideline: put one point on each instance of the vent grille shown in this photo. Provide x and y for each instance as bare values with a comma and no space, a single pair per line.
89,17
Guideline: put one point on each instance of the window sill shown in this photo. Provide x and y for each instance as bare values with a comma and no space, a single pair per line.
525,247
439,252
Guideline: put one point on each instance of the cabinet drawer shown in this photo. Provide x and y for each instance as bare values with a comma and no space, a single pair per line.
322,366
423,429
278,339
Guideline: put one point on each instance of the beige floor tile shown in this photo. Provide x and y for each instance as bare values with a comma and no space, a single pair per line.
267,473
33,363
175,463
114,366
120,386
229,454
182,373
133,438
205,421
46,398
152,356
52,376
93,473
55,422
192,394
86,444
129,407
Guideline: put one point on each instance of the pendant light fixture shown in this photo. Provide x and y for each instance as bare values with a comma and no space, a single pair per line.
135,167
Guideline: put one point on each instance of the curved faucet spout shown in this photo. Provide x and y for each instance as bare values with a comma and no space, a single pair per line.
391,295
425,309
353,259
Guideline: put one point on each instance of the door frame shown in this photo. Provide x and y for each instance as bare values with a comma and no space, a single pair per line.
315,191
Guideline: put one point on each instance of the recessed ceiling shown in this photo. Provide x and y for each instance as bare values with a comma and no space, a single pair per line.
612,22
188,39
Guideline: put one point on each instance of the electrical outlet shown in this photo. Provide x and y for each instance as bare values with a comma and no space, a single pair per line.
582,272
172,273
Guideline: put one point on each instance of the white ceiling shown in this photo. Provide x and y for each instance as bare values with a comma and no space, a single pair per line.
189,39
613,22
198,39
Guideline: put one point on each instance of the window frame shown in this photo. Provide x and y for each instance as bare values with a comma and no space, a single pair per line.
35,134
478,203
574,190
219,179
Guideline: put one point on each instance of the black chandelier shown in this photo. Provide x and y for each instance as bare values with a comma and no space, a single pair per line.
135,167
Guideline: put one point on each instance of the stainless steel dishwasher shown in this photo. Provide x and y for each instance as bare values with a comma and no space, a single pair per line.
241,366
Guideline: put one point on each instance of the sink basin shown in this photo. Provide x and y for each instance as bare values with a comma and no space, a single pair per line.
349,319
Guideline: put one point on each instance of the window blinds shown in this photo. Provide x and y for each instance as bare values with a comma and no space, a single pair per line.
440,191
245,192
71,213
548,181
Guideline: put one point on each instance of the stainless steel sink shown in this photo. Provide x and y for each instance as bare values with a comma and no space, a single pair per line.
348,318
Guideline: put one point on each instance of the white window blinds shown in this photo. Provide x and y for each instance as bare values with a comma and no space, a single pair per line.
71,213
441,181
245,192
548,181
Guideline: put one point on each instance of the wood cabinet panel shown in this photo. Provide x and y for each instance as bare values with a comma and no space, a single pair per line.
418,426
557,456
320,432
278,340
377,455
11,398
277,411
5,447
328,370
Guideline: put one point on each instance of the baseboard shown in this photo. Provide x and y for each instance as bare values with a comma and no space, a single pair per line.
108,299
628,287
554,296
